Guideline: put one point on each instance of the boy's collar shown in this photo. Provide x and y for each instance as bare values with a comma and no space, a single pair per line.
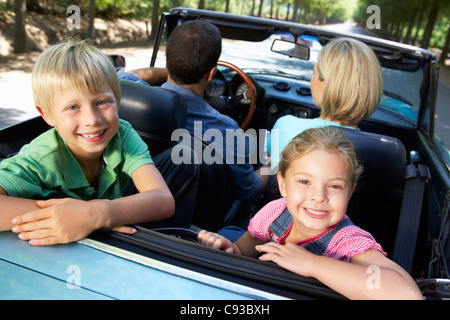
74,177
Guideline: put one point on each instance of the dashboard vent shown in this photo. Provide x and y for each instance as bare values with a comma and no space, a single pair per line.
303,91
282,86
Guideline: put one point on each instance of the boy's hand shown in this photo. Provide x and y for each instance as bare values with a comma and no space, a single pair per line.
216,241
58,221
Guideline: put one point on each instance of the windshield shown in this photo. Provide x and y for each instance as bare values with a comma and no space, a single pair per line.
401,88
258,55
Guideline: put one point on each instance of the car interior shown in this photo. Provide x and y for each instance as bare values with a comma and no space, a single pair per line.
375,205
387,201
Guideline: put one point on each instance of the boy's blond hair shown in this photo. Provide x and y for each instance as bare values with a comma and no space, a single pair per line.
329,139
72,64
354,81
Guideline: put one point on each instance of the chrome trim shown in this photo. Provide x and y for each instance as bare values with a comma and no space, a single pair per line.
181,272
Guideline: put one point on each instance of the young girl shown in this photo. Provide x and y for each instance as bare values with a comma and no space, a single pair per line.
307,231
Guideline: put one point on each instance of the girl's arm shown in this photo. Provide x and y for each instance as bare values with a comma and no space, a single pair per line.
244,246
67,220
368,276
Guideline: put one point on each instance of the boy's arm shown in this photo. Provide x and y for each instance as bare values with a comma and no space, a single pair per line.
67,220
12,207
153,202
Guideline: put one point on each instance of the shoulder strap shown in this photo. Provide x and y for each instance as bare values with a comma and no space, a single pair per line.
281,224
318,246
408,224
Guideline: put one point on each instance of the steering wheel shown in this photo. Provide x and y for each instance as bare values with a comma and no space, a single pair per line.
251,92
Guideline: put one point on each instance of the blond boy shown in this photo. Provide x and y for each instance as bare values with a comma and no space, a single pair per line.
83,163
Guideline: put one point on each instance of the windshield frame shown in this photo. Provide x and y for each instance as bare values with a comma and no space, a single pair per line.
392,55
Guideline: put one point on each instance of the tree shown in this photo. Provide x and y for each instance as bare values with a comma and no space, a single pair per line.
430,24
19,37
90,30
445,49
155,19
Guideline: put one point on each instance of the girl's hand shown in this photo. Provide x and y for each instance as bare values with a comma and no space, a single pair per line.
58,221
289,256
216,241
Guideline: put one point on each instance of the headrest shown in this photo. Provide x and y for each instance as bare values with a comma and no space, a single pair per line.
152,110
383,157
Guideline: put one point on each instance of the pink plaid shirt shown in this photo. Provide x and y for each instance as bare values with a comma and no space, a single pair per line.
346,243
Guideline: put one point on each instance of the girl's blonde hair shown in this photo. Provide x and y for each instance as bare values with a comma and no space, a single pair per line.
72,64
354,81
330,139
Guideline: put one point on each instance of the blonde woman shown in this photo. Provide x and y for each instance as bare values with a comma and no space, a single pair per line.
347,86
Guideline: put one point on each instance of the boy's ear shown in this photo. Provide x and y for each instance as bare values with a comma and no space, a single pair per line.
281,184
45,116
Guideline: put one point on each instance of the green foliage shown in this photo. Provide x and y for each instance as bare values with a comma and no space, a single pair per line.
407,21
399,19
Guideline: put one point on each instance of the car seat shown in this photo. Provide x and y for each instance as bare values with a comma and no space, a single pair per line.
155,113
376,203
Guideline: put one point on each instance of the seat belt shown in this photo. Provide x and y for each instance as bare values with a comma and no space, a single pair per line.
416,178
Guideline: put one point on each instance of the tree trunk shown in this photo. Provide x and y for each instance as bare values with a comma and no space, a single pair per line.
445,49
410,26
419,25
19,36
155,19
90,30
430,25
201,4
260,8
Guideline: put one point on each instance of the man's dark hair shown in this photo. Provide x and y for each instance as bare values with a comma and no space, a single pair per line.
194,47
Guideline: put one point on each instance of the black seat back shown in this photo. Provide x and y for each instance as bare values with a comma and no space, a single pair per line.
376,203
153,112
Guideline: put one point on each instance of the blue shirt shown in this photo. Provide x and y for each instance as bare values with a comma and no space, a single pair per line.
245,183
287,128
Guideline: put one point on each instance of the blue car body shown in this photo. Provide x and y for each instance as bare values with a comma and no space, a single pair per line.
92,270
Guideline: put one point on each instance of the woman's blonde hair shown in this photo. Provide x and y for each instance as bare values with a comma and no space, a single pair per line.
354,81
330,139
72,64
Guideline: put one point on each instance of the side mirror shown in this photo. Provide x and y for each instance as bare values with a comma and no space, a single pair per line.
290,49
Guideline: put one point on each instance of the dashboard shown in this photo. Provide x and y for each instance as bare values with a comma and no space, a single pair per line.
276,96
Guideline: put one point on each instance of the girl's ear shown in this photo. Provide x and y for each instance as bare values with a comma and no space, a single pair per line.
281,184
45,116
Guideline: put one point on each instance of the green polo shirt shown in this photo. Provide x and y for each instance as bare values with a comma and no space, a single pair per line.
45,168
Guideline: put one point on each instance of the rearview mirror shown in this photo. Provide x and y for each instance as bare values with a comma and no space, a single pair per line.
291,49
